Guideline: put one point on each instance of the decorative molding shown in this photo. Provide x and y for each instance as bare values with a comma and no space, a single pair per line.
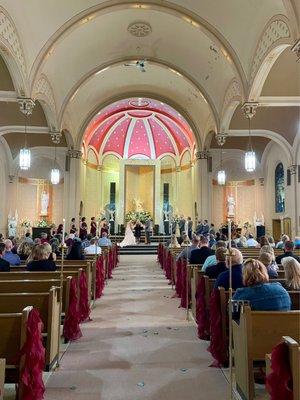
43,87
261,181
274,31
9,35
293,169
202,155
11,178
296,49
26,105
8,96
74,153
139,29
249,109
221,138
55,136
233,92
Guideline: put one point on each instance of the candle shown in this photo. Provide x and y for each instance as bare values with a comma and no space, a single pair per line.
229,233
63,233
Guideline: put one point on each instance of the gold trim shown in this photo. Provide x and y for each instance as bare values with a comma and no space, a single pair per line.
249,182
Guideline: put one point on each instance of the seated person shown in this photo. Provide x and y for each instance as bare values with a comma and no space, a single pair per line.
86,241
13,259
271,241
28,238
174,242
269,249
212,260
263,241
237,268
182,237
291,273
198,256
104,241
24,250
297,242
93,249
251,242
76,251
266,259
213,271
288,252
242,242
186,241
44,238
52,255
281,243
186,252
262,295
39,259
4,265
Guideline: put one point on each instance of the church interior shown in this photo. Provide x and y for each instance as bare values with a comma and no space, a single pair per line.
141,143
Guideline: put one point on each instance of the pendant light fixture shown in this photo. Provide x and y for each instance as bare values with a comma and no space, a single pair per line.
250,157
221,176
55,174
25,154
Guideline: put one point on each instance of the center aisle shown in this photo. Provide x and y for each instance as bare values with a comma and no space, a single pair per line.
138,346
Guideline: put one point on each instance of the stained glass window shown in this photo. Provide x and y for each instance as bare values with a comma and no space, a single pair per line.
279,189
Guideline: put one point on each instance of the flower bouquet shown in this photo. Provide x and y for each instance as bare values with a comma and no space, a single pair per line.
142,216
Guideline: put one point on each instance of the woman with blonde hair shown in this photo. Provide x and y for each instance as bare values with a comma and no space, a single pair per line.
291,273
40,259
262,295
269,249
24,250
174,242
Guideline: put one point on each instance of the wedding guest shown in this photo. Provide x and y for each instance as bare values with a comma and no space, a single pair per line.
281,243
263,241
93,230
15,242
37,241
174,242
212,260
271,241
186,241
104,227
76,251
59,230
44,238
104,241
262,295
73,228
242,242
40,259
297,242
93,248
251,242
28,238
148,230
181,224
4,265
24,250
189,227
237,267
10,257
266,259
186,252
205,227
288,252
212,240
291,273
269,249
212,230
213,271
181,237
54,243
70,239
83,228
86,242
198,256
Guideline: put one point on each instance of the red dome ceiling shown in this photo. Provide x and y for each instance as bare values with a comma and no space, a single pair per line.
139,128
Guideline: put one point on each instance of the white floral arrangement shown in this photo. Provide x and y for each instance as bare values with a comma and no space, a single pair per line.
142,216
43,224
26,223
247,225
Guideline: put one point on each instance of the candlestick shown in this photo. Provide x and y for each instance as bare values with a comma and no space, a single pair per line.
229,232
63,232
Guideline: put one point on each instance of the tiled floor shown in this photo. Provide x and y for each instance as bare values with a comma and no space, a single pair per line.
138,346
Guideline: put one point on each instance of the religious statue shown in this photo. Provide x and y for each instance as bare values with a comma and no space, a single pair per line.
111,214
230,206
167,215
12,224
44,203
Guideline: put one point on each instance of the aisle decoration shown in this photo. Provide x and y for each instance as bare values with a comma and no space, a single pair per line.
202,315
71,329
84,307
34,359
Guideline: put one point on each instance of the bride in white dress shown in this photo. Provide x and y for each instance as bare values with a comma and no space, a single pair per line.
129,239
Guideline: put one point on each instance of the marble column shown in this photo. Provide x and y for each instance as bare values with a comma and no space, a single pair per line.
203,187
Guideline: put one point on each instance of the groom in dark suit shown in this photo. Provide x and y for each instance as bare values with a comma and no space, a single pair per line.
148,229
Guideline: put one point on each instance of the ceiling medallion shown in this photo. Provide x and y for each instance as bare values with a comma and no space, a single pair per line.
139,29
139,103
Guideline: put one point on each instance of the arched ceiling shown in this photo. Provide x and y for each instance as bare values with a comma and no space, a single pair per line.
203,57
139,128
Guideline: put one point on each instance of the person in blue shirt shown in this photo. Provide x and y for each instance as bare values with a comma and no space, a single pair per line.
9,256
4,265
104,240
237,268
262,295
212,260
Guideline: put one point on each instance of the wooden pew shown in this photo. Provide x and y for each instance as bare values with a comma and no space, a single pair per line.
13,336
195,275
48,306
2,377
254,336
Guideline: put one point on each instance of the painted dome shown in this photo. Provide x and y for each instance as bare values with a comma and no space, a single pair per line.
139,128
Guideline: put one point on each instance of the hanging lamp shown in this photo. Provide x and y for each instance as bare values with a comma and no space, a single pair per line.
25,154
221,176
250,157
55,174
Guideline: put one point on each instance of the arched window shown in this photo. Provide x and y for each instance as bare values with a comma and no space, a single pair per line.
279,189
